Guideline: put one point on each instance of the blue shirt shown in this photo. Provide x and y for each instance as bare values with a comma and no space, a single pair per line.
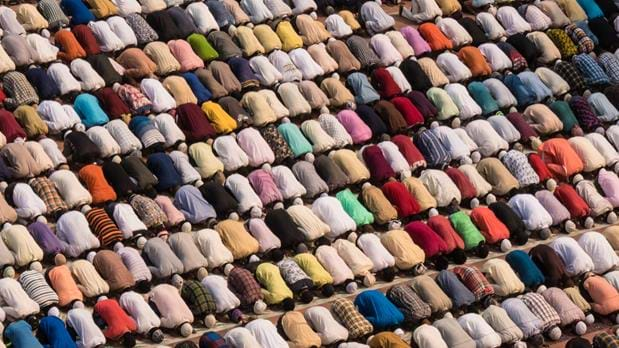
523,94
78,11
163,167
526,269
197,87
46,87
378,310
453,287
20,335
590,70
55,333
363,90
90,112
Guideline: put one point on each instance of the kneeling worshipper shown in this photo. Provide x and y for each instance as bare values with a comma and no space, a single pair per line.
225,301
80,320
560,215
275,290
532,213
174,313
415,310
511,220
359,263
502,324
496,174
428,336
599,206
161,260
479,330
184,247
525,268
601,252
266,333
296,279
358,326
378,310
247,289
476,282
528,323
321,279
20,243
337,267
52,330
503,278
147,320
75,235
383,261
16,303
112,269
434,248
297,331
576,260
575,204
119,326
545,312
330,210
429,291
472,237
493,230
603,296
460,295
560,157
324,324
571,316
453,334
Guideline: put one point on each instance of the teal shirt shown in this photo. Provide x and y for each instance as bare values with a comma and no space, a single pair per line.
295,139
354,208
483,97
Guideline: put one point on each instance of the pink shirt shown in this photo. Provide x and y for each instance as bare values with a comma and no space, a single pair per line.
174,215
185,55
420,46
264,185
358,130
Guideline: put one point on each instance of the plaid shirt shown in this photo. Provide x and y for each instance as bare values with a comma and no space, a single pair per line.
198,298
348,315
563,42
409,303
46,189
610,64
590,70
579,36
542,309
605,340
583,112
18,90
570,74
148,211
475,281
244,285
518,61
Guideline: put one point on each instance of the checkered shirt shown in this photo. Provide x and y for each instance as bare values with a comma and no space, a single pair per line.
348,315
46,190
610,63
542,309
579,36
409,303
244,285
475,281
18,90
198,298
605,340
570,74
590,70
585,115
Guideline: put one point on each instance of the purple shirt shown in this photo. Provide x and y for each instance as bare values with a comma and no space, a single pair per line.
46,239
420,46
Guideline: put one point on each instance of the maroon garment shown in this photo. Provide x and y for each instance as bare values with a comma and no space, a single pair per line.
391,116
539,166
399,196
525,129
377,163
9,126
577,206
426,238
409,150
443,228
384,83
193,122
408,110
427,109
467,190
111,103
87,39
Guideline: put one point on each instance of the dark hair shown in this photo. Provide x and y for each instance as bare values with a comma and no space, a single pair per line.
458,256
288,304
327,290
441,262
306,296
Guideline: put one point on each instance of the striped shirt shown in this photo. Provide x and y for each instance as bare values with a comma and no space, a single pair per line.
37,288
135,264
103,227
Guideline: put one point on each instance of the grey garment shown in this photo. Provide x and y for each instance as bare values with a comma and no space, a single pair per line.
294,276
183,245
192,204
18,49
223,44
50,9
216,88
162,261
363,90
143,31
360,48
522,316
453,287
233,107
309,178
330,172
453,334
497,317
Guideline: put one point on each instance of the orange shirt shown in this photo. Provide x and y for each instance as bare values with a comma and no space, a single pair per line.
472,57
435,37
100,190
70,48
63,283
560,157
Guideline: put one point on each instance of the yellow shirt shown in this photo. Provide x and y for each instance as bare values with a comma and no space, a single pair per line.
290,39
275,289
220,119
312,267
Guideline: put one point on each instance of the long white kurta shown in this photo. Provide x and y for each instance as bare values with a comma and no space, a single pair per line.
599,249
576,260
15,301
136,306
211,246
225,300
531,211
330,210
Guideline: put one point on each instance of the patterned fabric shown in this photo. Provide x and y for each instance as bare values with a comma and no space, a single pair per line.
563,42
610,64
542,309
103,227
579,36
143,32
198,298
348,315
294,276
244,285
590,70
18,90
148,211
518,164
605,340
53,13
585,115
409,303
277,143
518,61
37,288
570,74
475,281
46,189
